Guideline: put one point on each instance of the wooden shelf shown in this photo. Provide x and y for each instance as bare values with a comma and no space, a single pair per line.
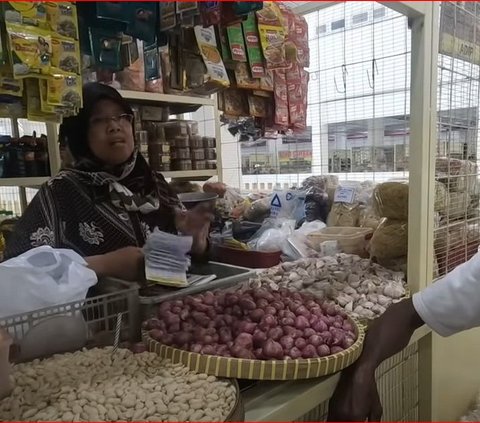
190,174
23,182
177,103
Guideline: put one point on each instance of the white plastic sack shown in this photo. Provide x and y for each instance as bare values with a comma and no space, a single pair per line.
288,204
43,277
309,227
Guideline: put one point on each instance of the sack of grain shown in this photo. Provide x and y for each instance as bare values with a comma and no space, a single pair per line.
390,200
440,196
457,175
390,240
343,214
457,205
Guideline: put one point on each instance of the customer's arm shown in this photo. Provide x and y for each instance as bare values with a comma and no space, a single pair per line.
448,306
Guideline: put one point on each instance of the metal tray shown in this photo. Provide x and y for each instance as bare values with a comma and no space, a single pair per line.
227,275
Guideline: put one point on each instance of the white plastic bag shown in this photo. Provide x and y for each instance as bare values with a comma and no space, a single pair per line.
289,204
43,277
273,235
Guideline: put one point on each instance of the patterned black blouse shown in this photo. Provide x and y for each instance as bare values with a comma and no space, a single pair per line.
67,213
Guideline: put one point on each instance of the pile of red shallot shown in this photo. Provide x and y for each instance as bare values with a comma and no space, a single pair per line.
253,324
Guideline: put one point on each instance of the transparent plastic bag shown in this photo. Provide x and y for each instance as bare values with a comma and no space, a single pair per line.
288,204
273,235
349,199
43,277
258,210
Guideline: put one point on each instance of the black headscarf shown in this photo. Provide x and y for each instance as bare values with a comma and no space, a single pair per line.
135,174
74,130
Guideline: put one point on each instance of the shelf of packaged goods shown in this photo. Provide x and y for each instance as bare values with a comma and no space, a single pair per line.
23,182
178,103
190,174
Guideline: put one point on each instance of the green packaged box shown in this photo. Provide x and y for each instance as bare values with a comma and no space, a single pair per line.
254,50
236,43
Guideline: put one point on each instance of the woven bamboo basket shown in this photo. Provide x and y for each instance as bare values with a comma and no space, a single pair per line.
238,368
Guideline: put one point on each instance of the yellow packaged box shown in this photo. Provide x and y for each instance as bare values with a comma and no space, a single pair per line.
65,55
10,86
216,73
62,18
64,90
30,51
25,12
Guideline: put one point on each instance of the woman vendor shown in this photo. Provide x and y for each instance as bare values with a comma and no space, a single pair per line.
104,206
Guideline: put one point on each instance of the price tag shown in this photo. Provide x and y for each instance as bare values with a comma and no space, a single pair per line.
344,195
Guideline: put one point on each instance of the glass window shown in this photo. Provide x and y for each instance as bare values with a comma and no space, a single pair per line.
358,19
321,29
338,24
379,13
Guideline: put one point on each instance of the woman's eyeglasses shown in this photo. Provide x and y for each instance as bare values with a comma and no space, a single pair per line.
123,119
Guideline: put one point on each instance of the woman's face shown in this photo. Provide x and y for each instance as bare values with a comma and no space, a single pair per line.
110,133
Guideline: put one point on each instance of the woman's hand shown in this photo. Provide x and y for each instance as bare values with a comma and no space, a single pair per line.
126,263
196,223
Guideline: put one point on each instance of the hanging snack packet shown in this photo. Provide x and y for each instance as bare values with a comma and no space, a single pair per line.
254,50
281,98
62,18
301,41
30,50
224,47
235,103
296,94
256,106
65,55
44,106
34,110
64,90
266,82
25,12
272,35
236,43
243,79
216,73
10,86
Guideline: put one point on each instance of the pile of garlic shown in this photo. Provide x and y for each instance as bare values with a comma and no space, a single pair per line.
98,385
360,287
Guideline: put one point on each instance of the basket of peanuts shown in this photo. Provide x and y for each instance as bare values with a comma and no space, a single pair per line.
108,384
66,369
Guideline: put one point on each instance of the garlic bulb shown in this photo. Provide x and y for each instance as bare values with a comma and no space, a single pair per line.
361,287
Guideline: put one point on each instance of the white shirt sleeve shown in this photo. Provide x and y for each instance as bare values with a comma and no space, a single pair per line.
452,304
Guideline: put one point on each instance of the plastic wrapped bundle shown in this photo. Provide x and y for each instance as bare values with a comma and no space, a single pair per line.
350,199
457,175
390,240
317,202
